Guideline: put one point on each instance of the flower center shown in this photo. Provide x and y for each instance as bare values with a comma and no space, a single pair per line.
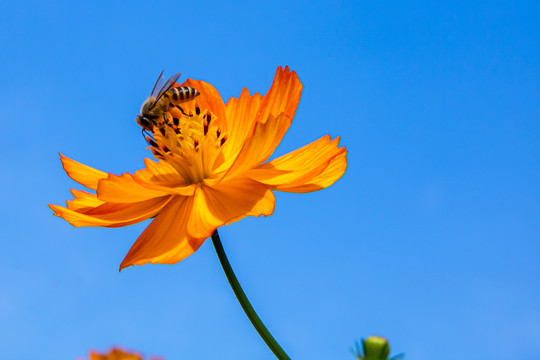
191,143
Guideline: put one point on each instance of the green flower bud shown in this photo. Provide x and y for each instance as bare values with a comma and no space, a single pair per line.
376,348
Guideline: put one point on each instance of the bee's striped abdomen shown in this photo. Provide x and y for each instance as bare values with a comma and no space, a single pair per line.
182,94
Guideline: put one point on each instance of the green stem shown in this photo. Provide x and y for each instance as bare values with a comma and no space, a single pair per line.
244,302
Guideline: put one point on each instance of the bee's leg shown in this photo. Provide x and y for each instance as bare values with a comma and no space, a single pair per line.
182,110
168,121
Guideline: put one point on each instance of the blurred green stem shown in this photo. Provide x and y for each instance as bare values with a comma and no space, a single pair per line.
244,302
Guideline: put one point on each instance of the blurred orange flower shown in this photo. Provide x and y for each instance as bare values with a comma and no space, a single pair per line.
116,354
211,171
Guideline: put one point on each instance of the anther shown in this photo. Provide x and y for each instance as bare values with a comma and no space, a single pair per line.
151,142
182,110
197,110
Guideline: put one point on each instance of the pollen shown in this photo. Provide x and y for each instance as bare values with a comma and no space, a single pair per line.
190,142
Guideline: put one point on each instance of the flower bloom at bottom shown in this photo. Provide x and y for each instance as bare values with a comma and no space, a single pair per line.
211,170
116,354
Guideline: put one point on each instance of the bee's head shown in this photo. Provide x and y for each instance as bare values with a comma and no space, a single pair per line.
144,122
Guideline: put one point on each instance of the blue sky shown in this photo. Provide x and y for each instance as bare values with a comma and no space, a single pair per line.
431,238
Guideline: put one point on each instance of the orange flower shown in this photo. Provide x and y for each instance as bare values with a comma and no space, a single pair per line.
211,171
116,354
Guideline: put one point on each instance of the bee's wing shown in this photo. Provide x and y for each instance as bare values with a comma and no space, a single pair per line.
159,83
168,85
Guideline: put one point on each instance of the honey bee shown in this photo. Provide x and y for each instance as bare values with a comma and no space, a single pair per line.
163,96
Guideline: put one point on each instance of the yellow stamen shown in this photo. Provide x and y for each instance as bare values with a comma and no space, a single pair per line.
191,144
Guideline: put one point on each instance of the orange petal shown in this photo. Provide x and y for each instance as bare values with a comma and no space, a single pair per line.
165,240
227,202
303,166
241,114
160,171
209,99
329,176
83,200
163,177
259,146
84,175
114,354
112,215
283,96
335,170
125,189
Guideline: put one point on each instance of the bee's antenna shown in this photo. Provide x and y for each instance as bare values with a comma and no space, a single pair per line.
145,133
